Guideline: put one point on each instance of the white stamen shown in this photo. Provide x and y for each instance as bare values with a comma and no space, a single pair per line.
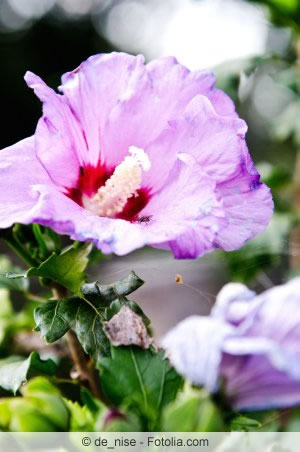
122,185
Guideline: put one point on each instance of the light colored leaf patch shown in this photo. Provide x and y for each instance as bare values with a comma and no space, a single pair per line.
15,370
127,328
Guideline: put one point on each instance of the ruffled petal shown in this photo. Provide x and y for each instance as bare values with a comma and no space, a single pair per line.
175,86
262,367
248,206
185,212
253,383
96,91
194,347
59,141
19,172
233,303
60,213
257,358
33,198
270,319
215,142
113,92
277,355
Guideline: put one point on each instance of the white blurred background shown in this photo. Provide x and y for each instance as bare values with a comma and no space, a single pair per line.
200,33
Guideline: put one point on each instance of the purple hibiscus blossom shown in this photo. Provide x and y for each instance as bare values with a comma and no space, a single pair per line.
130,154
250,343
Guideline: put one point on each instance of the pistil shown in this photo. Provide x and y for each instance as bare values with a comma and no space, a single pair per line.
124,183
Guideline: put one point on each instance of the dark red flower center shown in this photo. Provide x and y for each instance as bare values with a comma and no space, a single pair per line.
91,178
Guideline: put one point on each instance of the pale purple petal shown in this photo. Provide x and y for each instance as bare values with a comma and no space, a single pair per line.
260,364
57,211
185,228
277,355
58,139
96,91
20,171
120,90
278,315
33,198
248,210
192,354
233,303
252,383
216,142
175,86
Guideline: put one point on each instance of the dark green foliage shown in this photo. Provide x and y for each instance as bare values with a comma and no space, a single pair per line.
141,380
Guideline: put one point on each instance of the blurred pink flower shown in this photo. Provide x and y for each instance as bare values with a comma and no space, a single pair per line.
249,342
131,155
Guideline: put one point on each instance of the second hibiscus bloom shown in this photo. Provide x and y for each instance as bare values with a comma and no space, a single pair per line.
132,154
248,346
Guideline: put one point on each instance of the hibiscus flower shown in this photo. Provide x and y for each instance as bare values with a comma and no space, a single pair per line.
129,154
249,343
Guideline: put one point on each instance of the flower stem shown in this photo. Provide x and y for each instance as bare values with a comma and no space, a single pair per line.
295,233
17,247
85,371
34,297
36,229
294,255
82,366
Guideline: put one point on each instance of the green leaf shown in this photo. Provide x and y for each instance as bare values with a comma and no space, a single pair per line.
87,399
66,269
140,379
86,316
19,415
6,267
6,309
53,240
183,417
20,285
41,409
192,411
105,293
90,333
47,399
12,322
6,312
268,421
38,234
244,424
286,5
15,370
81,418
54,318
293,421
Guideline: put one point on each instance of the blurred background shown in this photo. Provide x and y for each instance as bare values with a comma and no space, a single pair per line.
252,46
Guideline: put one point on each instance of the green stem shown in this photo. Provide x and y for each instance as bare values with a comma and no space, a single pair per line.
36,229
295,231
85,370
16,246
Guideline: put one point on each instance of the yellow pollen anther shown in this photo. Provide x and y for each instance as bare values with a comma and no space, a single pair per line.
111,198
